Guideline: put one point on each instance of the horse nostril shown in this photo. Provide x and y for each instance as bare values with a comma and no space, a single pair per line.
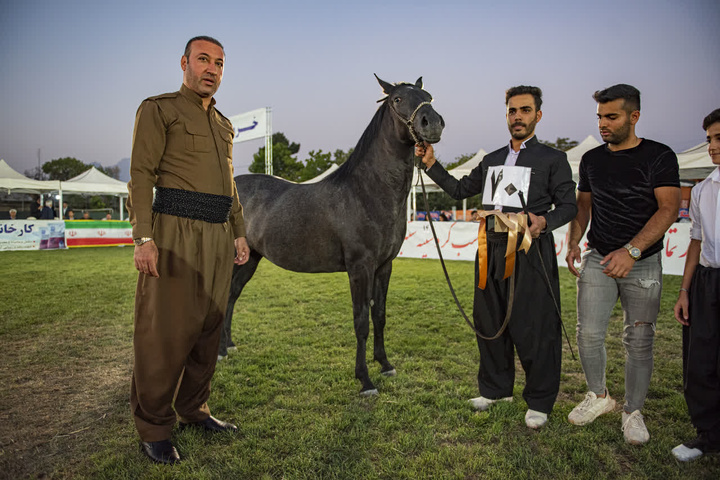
424,121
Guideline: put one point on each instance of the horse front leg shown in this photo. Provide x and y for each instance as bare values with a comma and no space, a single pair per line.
379,301
361,282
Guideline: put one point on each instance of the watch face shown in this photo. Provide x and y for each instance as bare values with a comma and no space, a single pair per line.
635,252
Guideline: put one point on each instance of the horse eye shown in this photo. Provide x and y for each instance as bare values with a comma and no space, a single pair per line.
398,99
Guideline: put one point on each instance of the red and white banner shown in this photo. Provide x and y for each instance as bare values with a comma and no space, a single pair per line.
458,241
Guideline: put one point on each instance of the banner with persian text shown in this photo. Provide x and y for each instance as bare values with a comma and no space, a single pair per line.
458,241
32,234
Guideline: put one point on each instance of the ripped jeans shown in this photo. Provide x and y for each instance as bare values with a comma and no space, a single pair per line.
639,295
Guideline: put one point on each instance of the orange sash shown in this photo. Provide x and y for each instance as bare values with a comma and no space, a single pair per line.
513,224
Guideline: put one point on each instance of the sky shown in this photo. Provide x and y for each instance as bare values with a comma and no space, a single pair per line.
74,72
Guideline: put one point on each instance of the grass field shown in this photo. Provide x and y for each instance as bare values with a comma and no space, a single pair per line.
66,360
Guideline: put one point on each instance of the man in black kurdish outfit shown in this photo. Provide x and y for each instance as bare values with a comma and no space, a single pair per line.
543,176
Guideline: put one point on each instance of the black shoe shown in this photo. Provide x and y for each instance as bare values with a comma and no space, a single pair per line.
211,424
702,443
160,452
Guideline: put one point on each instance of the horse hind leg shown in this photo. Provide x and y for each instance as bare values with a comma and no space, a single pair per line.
240,277
380,289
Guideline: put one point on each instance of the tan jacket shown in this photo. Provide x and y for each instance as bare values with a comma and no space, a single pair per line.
177,144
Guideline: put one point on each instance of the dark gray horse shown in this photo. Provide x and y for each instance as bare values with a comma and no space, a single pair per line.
353,220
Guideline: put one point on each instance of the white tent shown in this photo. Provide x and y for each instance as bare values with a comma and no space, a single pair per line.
327,172
430,186
94,182
695,163
575,153
13,181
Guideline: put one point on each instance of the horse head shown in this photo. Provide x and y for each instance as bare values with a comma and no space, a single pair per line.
412,107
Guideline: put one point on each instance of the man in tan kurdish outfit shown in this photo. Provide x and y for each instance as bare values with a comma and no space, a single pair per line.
185,239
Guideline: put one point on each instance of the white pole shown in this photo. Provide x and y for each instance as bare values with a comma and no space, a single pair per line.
268,143
121,207
414,203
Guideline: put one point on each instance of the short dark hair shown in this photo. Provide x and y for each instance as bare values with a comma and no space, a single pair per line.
201,37
714,117
628,93
523,90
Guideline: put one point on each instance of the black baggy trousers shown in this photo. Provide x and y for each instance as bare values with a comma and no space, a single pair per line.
701,353
534,327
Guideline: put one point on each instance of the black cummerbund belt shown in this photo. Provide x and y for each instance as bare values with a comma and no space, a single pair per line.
195,205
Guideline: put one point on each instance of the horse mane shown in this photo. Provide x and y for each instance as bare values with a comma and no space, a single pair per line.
371,132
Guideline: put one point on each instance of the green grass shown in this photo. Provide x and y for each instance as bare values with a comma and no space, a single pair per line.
65,366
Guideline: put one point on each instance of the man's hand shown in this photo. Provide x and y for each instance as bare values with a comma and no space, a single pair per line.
537,224
617,263
574,255
242,251
146,258
426,152
682,314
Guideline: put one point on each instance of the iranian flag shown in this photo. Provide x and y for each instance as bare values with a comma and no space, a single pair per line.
91,233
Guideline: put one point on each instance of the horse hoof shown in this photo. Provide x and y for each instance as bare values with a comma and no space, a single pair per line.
389,373
369,393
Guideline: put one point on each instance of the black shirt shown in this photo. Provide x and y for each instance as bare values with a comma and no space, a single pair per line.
622,185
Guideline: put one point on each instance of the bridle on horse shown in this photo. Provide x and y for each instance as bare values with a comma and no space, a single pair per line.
409,122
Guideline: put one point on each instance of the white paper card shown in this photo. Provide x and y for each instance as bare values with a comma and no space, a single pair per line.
503,183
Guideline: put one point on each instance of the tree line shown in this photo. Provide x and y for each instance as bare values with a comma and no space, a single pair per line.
66,168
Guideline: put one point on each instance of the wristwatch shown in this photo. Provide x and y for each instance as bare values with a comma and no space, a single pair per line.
141,240
633,251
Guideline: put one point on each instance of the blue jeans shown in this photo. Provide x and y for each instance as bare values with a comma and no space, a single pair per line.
639,295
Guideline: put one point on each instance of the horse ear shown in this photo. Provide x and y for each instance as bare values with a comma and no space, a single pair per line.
387,87
419,83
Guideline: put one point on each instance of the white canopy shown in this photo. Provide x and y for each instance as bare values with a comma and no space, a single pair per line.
457,172
695,163
16,182
327,172
575,154
93,181
430,186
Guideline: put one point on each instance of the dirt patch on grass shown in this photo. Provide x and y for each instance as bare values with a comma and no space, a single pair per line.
56,392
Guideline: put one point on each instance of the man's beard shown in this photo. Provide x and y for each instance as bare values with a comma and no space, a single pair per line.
519,135
620,135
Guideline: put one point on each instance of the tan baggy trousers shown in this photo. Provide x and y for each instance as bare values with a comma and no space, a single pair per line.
178,321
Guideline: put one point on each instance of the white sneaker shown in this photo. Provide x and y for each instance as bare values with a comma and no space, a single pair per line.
535,419
633,427
684,453
591,408
221,358
482,403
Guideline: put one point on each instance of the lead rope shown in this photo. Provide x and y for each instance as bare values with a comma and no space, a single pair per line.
447,277
512,279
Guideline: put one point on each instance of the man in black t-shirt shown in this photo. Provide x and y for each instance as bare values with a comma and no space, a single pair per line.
629,193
